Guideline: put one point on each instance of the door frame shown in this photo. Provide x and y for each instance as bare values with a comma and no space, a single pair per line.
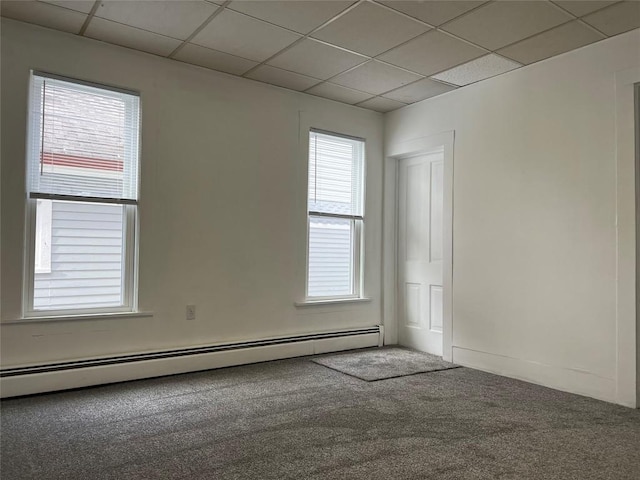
395,153
627,362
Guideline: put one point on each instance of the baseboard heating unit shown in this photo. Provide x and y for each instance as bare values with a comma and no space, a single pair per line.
26,380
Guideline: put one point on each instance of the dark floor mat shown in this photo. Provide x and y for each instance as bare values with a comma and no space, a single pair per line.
383,363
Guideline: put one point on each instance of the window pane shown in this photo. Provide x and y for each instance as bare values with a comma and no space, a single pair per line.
335,174
330,257
83,140
86,257
42,261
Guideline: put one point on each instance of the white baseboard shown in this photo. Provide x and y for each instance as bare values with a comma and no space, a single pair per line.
84,376
559,378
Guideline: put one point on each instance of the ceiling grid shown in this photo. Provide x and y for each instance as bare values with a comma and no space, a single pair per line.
377,54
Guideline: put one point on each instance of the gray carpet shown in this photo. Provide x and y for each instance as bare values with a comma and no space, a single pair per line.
294,419
383,363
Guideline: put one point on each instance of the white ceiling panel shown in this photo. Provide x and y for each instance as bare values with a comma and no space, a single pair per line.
173,19
375,78
325,47
43,14
425,88
300,16
582,7
316,59
244,36
338,93
282,78
561,39
498,24
478,69
618,18
370,29
434,12
82,6
381,105
131,37
205,57
431,53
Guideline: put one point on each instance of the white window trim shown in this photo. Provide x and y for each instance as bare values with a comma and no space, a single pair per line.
130,237
332,301
82,316
357,237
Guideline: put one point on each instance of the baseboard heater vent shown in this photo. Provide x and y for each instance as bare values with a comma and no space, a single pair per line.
183,352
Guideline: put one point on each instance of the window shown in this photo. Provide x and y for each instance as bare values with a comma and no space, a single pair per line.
82,197
335,216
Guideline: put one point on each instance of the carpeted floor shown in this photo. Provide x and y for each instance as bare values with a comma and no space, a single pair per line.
383,363
294,419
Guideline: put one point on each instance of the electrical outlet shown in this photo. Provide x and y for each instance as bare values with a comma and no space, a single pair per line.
191,312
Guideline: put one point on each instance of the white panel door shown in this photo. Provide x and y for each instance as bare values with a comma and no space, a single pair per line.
420,242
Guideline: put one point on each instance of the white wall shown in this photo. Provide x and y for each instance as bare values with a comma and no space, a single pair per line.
223,222
534,249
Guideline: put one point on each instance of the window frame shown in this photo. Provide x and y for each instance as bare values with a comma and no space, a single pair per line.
130,224
357,228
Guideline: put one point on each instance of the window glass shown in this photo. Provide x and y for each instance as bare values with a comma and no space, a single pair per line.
334,206
83,184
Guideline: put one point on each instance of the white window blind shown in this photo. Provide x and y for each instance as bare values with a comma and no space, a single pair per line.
83,142
335,211
335,174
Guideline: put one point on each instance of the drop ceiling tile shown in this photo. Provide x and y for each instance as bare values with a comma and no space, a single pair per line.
375,78
419,90
301,16
618,18
282,78
434,12
43,14
173,19
431,53
552,42
370,29
316,59
476,70
205,57
498,24
82,6
131,37
338,93
582,7
244,36
381,105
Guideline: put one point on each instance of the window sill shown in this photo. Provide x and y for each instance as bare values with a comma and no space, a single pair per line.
86,316
334,301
